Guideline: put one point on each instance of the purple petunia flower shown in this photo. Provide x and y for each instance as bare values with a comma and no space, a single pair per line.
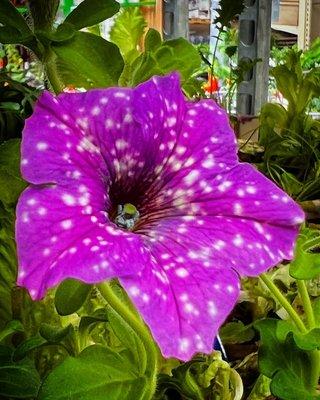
144,186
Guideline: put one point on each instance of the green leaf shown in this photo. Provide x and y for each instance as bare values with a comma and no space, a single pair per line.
287,82
173,55
306,264
70,296
92,12
309,341
183,381
236,332
5,354
11,183
96,373
185,58
28,345
10,156
10,186
64,32
203,377
11,18
142,69
261,389
54,334
152,40
88,322
128,29
11,328
88,61
7,262
11,35
228,10
231,51
19,380
282,361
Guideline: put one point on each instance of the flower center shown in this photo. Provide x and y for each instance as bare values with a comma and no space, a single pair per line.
127,216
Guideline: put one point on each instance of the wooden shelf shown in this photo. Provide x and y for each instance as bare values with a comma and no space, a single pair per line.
199,21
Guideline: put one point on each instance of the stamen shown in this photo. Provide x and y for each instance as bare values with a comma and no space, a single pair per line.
127,216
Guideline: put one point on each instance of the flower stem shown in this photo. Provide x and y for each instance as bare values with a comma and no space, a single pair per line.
141,330
284,302
52,72
315,354
305,298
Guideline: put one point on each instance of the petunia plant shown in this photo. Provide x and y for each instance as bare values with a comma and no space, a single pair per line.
144,186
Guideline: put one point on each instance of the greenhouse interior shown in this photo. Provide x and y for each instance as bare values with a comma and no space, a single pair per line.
160,199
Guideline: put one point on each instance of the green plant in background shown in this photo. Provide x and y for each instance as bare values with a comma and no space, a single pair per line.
82,59
289,135
69,56
226,67
16,103
311,57
14,67
152,56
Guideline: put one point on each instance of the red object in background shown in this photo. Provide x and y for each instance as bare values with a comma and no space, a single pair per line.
3,62
212,85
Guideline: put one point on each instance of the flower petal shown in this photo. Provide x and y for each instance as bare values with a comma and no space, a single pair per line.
186,135
217,242
54,148
183,307
243,192
59,237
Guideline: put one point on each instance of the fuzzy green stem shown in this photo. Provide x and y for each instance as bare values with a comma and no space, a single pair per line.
315,354
141,330
52,73
305,298
284,302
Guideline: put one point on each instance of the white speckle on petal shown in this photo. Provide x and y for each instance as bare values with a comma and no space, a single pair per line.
96,110
224,186
238,241
191,178
134,291
119,95
42,146
109,123
298,220
66,224
230,289
42,211
46,252
212,309
184,344
208,162
251,190
237,209
182,272
68,199
121,144
31,202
